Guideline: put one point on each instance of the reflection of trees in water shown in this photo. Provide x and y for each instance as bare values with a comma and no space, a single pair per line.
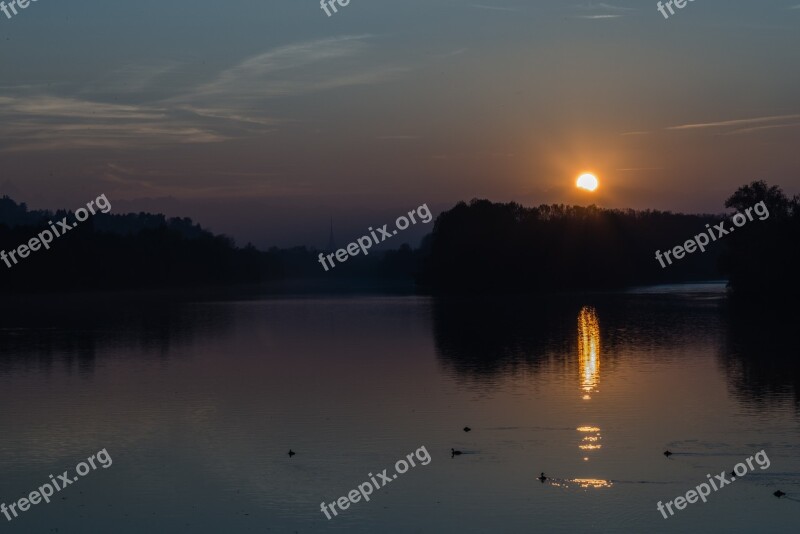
760,358
75,329
482,339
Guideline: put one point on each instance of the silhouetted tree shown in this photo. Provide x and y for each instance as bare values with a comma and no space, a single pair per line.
763,257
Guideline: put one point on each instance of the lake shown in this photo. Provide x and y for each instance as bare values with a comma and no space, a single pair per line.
199,401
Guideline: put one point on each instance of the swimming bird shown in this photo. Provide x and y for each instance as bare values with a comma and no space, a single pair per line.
667,454
541,478
454,452
467,429
291,453
779,494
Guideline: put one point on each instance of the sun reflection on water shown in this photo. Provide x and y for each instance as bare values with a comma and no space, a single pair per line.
593,483
589,442
589,350
589,368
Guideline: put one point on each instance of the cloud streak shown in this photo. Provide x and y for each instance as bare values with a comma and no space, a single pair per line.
735,122
602,11
49,122
231,105
760,128
293,70
496,8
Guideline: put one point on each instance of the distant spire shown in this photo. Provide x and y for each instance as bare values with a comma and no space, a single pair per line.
331,242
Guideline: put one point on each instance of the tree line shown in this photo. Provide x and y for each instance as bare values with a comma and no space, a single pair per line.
475,247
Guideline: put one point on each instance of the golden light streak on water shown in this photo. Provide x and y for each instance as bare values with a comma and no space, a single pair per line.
589,369
593,483
588,350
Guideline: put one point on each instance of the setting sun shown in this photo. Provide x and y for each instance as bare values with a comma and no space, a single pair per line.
588,182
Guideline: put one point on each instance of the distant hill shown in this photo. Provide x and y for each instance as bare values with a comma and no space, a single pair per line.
123,251
144,250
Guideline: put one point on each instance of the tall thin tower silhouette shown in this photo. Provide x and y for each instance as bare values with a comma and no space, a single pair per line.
331,242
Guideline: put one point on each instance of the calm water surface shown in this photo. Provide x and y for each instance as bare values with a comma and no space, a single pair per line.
198,403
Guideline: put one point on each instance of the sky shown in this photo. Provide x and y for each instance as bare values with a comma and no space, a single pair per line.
265,119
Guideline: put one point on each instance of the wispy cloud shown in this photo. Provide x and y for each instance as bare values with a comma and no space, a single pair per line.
496,8
128,181
50,122
760,128
446,55
602,6
233,104
735,122
131,78
232,115
58,107
294,70
601,11
735,126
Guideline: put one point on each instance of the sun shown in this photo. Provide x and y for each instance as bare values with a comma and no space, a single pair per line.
588,182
